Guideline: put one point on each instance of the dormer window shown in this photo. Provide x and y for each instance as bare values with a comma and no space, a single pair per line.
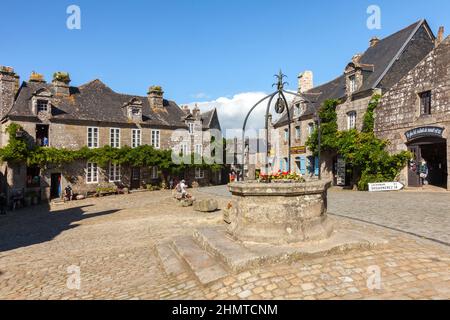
352,84
297,110
191,127
134,110
42,106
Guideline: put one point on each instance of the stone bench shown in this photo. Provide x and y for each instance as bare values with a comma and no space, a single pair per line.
209,205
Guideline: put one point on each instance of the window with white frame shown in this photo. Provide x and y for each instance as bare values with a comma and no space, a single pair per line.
297,111
92,137
199,173
42,106
136,138
199,149
154,173
286,135
310,128
352,81
114,173
298,132
191,127
91,172
351,120
114,137
184,150
156,139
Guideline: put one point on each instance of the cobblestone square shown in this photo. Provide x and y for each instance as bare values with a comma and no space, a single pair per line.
111,240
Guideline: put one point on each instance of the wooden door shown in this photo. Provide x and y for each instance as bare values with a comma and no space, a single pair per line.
413,167
135,178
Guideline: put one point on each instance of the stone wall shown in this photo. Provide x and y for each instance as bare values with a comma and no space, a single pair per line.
9,84
399,109
358,105
74,136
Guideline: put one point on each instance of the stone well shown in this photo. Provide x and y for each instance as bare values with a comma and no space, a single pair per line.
279,213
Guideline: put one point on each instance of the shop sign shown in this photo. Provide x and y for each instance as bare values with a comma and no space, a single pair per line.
298,150
424,132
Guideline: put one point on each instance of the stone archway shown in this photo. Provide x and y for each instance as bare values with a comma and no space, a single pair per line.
433,150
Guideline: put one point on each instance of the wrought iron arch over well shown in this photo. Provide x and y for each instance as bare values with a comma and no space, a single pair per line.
281,107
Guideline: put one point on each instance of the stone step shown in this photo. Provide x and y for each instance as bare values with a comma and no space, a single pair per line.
205,267
172,264
232,253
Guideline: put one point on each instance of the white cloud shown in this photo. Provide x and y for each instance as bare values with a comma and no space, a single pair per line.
232,111
200,95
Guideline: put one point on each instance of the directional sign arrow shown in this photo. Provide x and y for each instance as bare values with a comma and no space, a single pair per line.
385,186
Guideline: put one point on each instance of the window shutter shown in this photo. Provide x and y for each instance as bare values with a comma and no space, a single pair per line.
302,165
316,166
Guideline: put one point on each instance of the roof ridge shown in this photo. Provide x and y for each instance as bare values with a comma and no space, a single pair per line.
310,91
418,25
92,82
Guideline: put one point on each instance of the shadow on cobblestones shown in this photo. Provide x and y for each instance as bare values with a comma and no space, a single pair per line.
28,227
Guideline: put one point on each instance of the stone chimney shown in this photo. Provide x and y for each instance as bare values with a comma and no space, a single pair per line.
305,81
36,77
374,41
61,83
186,109
9,85
156,97
440,36
196,111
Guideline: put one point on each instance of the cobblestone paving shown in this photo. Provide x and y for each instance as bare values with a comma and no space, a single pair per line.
111,239
424,214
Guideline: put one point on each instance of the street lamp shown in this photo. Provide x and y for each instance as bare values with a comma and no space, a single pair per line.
319,138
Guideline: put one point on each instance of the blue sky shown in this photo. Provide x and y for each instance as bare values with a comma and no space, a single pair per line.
198,50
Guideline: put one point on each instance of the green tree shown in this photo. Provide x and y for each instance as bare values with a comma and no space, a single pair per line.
362,150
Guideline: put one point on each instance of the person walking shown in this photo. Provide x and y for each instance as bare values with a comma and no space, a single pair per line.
423,172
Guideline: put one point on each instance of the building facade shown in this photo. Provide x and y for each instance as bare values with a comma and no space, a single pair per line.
375,71
414,115
93,115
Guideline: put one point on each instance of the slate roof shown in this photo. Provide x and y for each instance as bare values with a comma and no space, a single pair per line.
378,59
385,52
94,101
334,89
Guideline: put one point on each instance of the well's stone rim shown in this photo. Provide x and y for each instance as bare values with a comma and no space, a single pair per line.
279,189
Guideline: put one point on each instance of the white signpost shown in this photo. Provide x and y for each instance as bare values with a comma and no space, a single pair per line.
385,186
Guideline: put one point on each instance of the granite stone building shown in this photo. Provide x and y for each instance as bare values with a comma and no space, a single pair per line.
375,71
414,115
59,115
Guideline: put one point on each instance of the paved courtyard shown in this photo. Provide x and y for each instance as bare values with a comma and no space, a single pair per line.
424,214
111,241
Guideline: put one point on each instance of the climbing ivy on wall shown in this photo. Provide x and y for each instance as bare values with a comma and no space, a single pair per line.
362,150
19,150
